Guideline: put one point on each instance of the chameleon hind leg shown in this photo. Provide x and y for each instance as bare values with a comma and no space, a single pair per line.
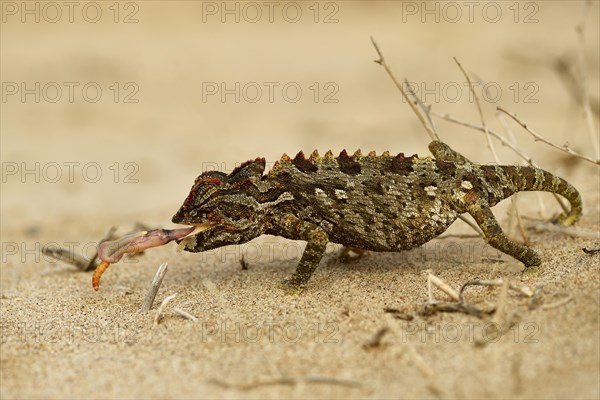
493,234
316,239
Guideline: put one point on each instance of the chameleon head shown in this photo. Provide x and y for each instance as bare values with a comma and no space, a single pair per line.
225,209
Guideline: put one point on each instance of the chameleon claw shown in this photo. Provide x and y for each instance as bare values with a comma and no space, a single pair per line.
290,288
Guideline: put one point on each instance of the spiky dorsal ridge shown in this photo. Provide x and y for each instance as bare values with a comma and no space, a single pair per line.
346,162
285,159
314,157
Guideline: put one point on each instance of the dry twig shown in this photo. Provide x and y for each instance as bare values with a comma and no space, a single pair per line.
287,381
154,286
585,100
381,61
185,314
426,109
565,230
65,255
161,309
443,286
397,314
537,137
483,124
558,303
375,341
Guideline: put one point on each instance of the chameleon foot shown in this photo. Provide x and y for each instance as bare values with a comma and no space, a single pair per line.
290,288
346,254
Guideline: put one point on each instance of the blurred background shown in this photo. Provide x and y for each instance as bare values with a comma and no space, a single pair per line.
110,110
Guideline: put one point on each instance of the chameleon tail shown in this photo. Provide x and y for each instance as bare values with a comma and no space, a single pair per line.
534,179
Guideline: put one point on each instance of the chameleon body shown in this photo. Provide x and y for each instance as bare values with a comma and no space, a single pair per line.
379,203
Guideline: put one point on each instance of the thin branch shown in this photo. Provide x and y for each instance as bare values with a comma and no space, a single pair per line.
557,303
426,109
161,309
498,317
537,137
65,255
483,124
585,101
185,314
564,230
591,251
385,66
154,286
471,224
501,138
443,286
375,341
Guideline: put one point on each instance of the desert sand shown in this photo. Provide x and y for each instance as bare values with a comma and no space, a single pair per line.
110,110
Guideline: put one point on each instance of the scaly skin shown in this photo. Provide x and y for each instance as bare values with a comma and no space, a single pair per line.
379,203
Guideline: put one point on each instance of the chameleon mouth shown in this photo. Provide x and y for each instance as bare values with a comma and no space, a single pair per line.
199,228
190,238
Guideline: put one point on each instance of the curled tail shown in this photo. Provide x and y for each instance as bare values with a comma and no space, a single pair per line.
525,178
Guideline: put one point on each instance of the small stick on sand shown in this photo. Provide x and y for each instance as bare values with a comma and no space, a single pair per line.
164,303
591,251
501,303
185,314
558,303
397,314
443,286
62,254
154,286
565,230
375,341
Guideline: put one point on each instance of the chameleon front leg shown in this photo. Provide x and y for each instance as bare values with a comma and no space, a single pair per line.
496,238
316,239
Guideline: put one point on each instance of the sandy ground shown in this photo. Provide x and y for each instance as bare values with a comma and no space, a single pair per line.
147,113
